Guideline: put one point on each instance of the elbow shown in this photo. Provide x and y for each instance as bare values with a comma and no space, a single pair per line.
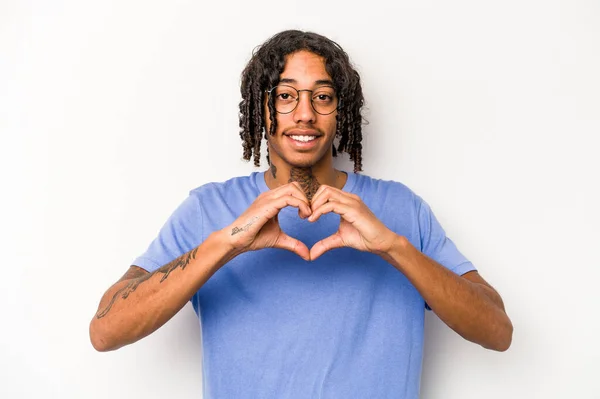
503,338
99,340
506,339
502,346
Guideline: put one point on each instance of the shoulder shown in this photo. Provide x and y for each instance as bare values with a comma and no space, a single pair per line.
233,189
232,183
367,186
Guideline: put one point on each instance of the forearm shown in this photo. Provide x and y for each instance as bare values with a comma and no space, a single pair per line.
134,308
473,310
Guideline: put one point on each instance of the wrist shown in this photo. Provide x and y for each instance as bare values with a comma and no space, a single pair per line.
223,240
397,252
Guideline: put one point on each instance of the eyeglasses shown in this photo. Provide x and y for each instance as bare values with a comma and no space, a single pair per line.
286,98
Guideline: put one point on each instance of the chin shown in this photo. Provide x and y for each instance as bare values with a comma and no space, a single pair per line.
302,164
302,159
307,161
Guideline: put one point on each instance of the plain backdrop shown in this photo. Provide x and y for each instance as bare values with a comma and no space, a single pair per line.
110,112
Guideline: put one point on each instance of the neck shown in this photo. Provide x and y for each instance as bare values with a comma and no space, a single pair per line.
310,178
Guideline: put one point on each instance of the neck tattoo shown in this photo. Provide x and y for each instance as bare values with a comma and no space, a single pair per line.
307,181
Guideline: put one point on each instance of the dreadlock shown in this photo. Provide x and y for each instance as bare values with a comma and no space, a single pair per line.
262,73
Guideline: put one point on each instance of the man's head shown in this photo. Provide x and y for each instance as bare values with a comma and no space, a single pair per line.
301,84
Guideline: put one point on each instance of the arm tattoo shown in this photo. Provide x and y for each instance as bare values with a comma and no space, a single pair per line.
236,230
307,181
137,279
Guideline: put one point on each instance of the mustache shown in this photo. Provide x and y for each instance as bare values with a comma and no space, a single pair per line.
303,129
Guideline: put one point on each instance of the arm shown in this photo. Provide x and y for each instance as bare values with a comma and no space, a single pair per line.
467,304
141,302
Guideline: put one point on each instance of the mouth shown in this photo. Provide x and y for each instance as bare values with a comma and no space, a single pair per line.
302,139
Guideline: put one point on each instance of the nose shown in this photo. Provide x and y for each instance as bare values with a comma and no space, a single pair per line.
304,112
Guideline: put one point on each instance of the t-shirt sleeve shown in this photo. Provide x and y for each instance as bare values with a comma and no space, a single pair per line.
181,233
436,245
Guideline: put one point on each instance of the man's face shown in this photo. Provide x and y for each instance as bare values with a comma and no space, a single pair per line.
303,137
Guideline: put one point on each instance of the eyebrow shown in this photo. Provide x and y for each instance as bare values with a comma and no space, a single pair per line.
319,82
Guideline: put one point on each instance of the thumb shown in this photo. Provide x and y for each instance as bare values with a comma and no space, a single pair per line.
331,242
291,244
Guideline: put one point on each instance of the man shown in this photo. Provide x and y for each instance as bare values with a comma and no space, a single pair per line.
309,282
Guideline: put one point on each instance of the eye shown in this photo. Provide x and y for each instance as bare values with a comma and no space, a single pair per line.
285,94
323,97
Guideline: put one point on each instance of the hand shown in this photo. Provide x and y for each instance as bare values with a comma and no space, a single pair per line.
359,227
258,227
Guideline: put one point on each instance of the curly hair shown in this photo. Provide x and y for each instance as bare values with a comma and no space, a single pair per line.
262,73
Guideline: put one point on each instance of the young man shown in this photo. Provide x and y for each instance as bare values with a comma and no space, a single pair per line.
309,282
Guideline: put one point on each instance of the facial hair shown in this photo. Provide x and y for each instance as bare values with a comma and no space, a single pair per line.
308,182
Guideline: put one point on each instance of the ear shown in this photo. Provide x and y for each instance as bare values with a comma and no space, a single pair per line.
266,116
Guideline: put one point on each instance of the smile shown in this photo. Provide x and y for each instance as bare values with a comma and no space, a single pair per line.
304,139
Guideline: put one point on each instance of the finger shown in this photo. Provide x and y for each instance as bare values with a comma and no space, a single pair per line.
293,189
326,244
291,244
332,206
328,194
322,188
325,188
277,204
303,206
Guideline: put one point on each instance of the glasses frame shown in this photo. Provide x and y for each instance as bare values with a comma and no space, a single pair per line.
337,107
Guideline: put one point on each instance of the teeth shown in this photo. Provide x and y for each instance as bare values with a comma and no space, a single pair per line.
304,138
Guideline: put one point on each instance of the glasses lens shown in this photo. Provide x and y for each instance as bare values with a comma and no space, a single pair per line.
323,99
285,98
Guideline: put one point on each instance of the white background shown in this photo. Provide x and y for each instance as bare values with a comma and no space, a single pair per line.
110,112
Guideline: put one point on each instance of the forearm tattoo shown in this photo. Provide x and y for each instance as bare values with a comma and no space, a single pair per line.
136,278
307,181
236,230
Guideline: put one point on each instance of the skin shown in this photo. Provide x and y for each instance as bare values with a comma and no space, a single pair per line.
140,302
312,167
